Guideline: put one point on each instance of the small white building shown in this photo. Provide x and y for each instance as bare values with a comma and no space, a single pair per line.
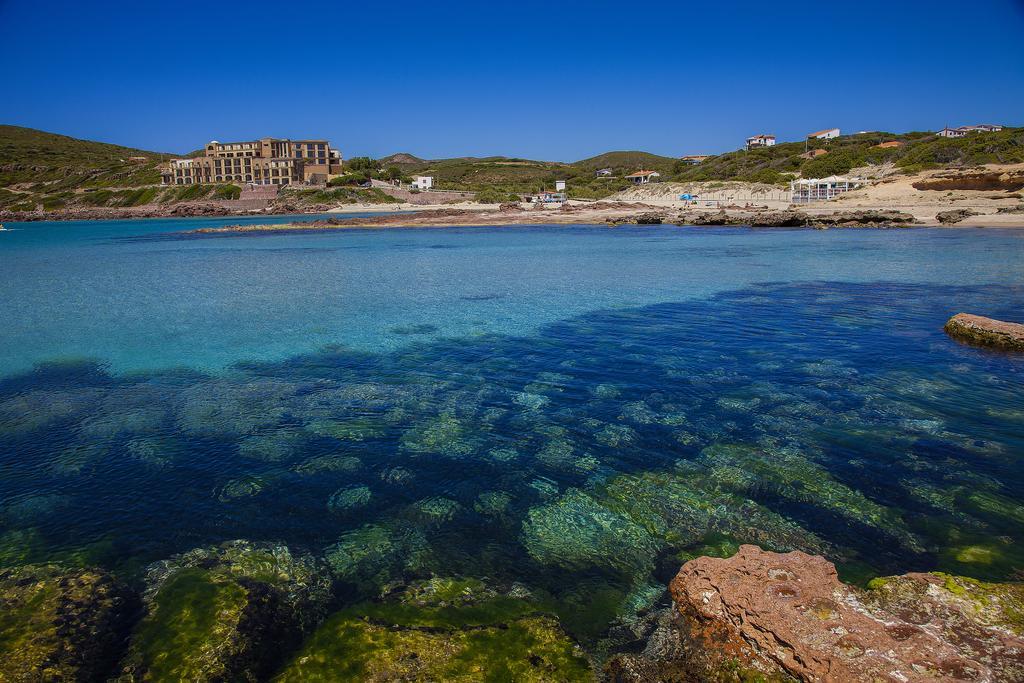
821,189
826,134
960,132
548,197
422,182
603,172
760,141
643,177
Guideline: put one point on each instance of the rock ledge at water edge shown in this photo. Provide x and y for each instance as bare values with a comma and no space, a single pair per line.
780,617
976,329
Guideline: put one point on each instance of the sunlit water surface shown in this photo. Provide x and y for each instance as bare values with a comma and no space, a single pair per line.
560,406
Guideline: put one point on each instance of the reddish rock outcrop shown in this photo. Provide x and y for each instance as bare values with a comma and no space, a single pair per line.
789,615
975,329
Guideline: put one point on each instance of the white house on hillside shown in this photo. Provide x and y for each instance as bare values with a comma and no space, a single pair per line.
423,182
643,177
826,134
760,141
960,132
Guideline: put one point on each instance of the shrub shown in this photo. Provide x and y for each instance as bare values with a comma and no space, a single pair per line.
356,178
836,163
491,195
227,192
362,164
768,176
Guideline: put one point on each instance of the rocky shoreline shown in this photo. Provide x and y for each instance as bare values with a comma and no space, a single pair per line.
245,611
600,213
181,210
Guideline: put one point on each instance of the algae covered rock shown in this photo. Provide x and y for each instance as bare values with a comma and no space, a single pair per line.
227,613
59,625
576,531
374,554
441,630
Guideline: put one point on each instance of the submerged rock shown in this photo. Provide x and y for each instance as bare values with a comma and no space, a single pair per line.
441,630
328,463
976,329
788,615
446,436
578,532
228,613
349,498
373,555
58,625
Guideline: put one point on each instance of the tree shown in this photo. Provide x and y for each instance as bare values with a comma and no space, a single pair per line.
362,164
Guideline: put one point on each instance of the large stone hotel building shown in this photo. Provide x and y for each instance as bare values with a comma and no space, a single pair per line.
267,161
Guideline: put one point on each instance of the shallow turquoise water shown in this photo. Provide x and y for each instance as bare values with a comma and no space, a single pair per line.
577,408
109,290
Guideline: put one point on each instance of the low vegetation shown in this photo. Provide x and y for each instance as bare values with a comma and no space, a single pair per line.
46,161
512,175
336,195
492,195
918,152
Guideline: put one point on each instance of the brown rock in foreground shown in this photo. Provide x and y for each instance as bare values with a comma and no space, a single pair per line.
788,615
976,329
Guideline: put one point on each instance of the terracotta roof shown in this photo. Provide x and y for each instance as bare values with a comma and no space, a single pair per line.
821,132
640,174
760,137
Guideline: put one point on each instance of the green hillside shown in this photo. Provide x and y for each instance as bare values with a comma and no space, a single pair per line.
60,162
919,151
40,168
511,174
623,163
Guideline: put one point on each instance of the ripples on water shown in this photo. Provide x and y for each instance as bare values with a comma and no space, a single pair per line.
579,410
589,459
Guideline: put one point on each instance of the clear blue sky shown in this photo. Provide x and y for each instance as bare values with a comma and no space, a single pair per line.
550,80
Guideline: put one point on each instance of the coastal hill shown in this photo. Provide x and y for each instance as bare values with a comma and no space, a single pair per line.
35,156
402,159
627,162
907,152
37,167
47,171
512,174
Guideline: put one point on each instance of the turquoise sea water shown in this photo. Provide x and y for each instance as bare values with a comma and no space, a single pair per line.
576,408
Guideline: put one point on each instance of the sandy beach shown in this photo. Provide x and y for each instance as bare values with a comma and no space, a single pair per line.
981,197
